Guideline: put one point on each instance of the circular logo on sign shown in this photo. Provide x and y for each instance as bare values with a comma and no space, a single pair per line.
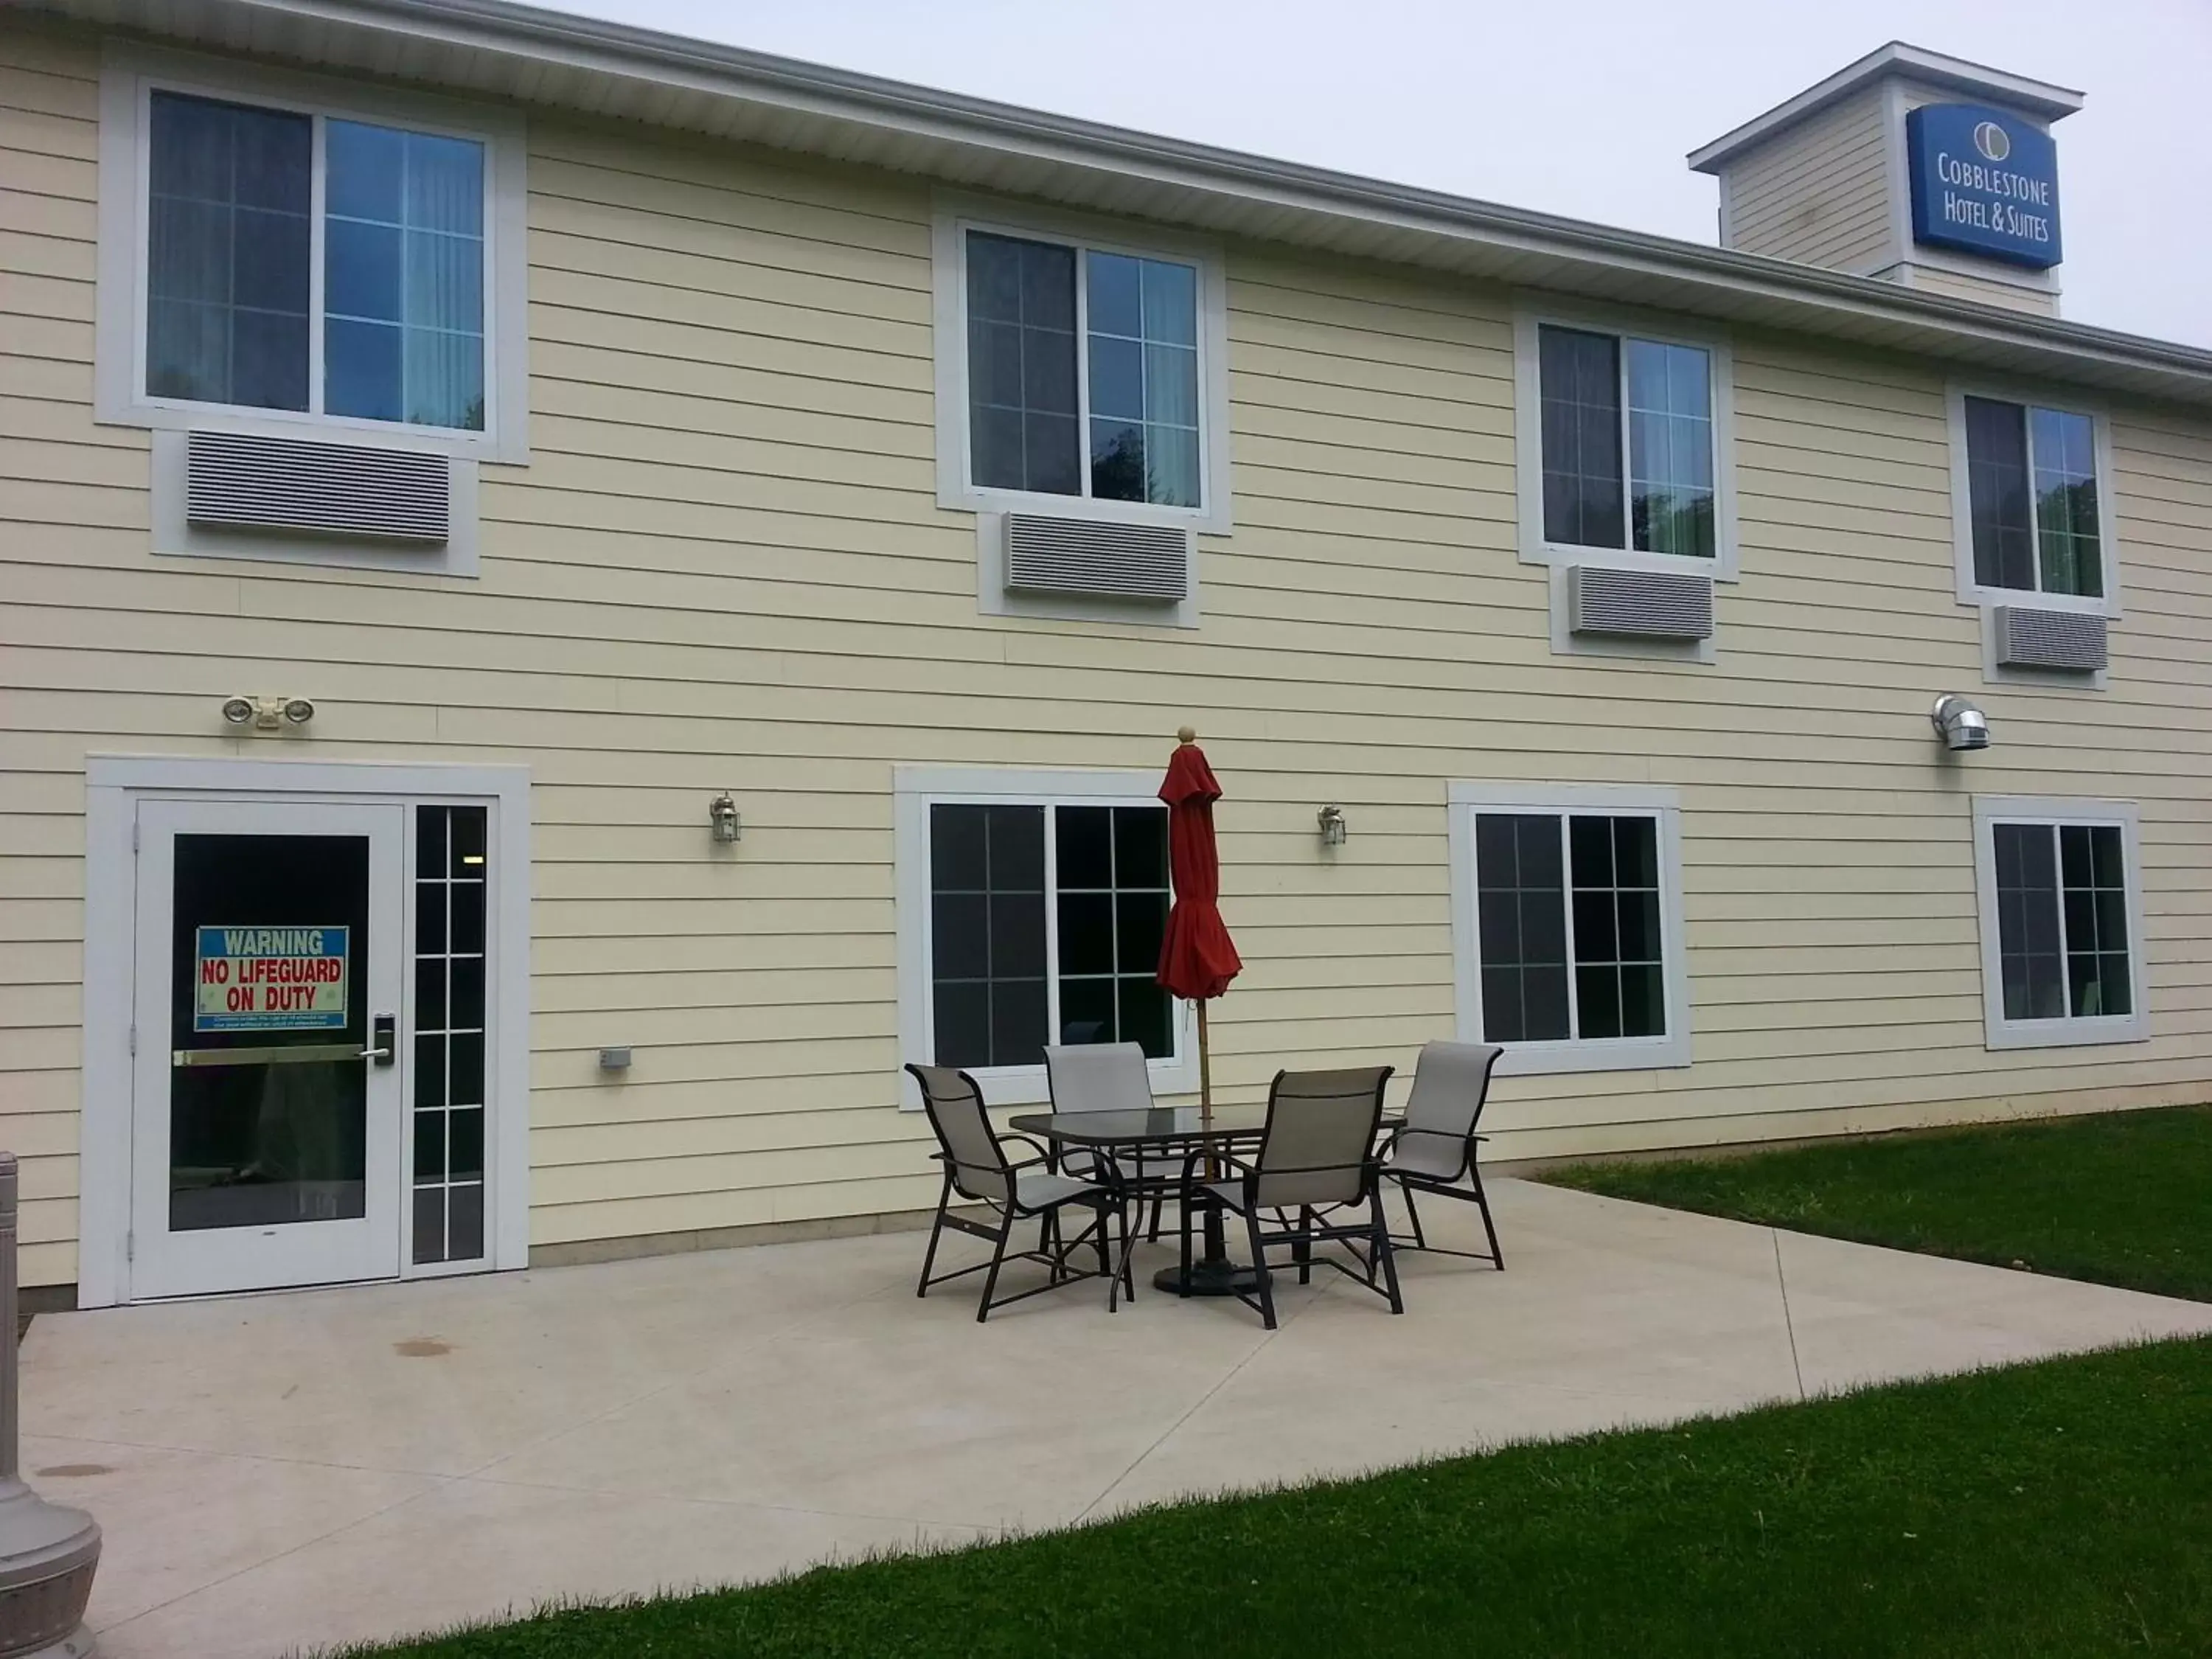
1994,143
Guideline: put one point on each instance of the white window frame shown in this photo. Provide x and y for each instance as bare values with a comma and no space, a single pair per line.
130,75
1528,441
1972,591
2046,811
914,791
1465,801
955,216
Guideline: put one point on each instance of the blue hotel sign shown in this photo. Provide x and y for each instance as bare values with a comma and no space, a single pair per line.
1983,182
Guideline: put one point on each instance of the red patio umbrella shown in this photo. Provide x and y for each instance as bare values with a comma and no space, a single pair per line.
1197,959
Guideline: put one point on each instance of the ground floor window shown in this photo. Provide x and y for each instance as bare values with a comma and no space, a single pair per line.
2061,917
1569,916
1032,909
446,1215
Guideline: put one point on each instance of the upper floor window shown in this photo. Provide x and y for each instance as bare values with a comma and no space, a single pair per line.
280,252
2062,922
1627,442
300,262
1085,378
1572,924
2033,506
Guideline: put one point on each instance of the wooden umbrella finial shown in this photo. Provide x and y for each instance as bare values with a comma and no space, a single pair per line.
1186,734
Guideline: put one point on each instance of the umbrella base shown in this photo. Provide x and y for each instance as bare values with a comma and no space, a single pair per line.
1210,1276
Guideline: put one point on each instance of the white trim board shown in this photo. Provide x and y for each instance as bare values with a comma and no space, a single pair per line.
1999,1032
129,70
113,785
1464,800
955,214
915,789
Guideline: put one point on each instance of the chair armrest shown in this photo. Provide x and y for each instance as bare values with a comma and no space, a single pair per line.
1043,1151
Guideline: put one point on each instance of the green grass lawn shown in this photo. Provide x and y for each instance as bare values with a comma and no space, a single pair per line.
2060,1509
2123,1198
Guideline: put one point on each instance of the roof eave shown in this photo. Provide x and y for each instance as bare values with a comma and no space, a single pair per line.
491,46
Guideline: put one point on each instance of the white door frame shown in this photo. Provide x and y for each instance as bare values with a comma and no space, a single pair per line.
114,783
269,1255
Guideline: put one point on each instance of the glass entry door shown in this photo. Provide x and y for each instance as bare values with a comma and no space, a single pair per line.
267,1098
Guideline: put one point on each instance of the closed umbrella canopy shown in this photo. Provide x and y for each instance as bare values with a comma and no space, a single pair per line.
1197,959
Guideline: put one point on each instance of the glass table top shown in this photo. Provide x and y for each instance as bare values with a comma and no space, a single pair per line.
1161,1123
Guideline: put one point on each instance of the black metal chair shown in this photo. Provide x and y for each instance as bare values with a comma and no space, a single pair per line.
1433,1149
977,1169
1113,1077
1316,1157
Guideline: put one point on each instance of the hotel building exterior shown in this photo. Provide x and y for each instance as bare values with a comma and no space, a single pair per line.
573,599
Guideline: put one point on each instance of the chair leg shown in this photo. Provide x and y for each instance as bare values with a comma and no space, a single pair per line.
936,1230
1420,1239
1303,1253
998,1260
1154,1235
1104,1238
1382,1253
1263,1279
1187,1206
1482,1201
1122,1283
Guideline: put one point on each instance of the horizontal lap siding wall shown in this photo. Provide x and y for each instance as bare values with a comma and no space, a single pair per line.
724,568
1820,192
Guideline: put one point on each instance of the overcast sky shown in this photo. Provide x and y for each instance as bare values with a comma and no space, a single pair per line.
1583,108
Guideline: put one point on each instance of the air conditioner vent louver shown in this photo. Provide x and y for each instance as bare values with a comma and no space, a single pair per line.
246,481
2070,641
1087,556
1641,604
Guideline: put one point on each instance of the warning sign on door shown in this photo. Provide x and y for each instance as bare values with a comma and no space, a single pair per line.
271,979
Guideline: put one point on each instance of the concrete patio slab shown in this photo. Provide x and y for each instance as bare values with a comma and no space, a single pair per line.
280,1472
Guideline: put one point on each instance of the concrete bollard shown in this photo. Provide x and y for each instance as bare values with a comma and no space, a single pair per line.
47,1553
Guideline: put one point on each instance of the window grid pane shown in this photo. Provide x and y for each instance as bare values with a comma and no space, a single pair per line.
230,198
1998,506
449,1096
1024,423
402,280
1142,316
1578,378
2029,952
988,949
2064,451
1670,451
1111,896
1619,980
1520,904
2093,879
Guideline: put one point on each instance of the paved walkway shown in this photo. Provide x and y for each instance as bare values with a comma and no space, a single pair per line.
284,1471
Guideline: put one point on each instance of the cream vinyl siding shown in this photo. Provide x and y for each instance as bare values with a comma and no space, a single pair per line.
1819,192
1964,285
724,568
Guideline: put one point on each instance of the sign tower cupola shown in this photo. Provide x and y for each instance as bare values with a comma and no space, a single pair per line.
1921,169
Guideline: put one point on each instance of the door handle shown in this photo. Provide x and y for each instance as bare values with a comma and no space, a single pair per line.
383,1034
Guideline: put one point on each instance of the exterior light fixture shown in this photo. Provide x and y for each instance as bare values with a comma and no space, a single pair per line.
267,714
722,814
1333,827
1959,723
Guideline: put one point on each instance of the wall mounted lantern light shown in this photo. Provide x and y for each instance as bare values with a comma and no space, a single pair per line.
1959,723
1333,826
722,814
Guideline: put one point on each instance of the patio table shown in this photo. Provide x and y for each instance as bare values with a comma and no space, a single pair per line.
1185,1128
